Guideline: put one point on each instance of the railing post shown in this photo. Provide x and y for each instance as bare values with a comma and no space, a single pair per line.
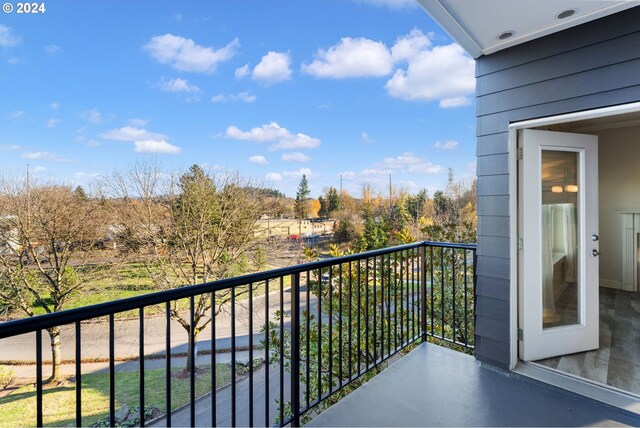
295,349
423,291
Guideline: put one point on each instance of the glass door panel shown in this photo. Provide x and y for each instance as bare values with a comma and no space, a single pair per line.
560,235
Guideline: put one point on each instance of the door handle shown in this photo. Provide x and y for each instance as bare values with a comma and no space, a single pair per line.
595,253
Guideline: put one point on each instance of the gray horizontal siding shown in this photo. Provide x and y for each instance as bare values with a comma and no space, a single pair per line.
493,329
590,82
495,123
492,164
493,144
493,246
612,51
611,27
492,351
493,185
496,309
495,267
493,205
494,226
492,287
590,66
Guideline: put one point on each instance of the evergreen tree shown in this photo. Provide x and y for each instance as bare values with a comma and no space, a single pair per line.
324,206
301,197
333,199
81,194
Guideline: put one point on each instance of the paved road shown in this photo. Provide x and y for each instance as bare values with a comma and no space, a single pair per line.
95,334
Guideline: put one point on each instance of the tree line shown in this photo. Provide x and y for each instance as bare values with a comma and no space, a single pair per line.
186,228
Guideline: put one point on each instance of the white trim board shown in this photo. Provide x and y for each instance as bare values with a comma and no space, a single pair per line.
610,283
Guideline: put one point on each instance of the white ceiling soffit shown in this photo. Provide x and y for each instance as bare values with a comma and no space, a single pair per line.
477,24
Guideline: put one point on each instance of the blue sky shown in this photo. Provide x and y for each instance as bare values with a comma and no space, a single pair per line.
273,89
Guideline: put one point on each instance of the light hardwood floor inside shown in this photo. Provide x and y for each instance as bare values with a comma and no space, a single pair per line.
617,361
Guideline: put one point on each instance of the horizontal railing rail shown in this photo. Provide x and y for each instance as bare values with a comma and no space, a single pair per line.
316,328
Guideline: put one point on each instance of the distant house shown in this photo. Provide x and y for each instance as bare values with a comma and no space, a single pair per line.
558,146
9,237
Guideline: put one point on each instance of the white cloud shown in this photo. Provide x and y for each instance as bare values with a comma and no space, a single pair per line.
242,72
130,133
245,97
93,143
410,46
419,70
52,123
375,171
16,114
444,73
408,162
269,132
351,58
10,148
295,157
273,176
156,146
178,17
408,184
7,38
186,55
53,50
15,60
144,141
137,122
272,132
54,106
93,116
258,160
273,68
178,85
391,4
365,138
45,156
454,102
298,173
446,145
38,169
297,141
85,177
347,175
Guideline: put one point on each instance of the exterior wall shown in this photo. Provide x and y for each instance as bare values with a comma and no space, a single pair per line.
590,66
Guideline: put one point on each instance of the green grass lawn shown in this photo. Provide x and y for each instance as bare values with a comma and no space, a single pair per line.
131,280
19,408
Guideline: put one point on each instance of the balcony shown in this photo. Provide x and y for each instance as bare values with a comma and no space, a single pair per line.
282,346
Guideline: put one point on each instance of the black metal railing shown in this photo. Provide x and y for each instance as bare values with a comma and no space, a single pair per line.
307,331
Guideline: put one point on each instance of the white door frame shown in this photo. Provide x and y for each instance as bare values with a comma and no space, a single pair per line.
513,200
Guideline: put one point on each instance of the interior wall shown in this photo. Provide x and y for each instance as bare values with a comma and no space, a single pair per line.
619,182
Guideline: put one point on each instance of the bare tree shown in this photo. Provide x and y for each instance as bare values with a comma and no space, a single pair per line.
194,229
48,235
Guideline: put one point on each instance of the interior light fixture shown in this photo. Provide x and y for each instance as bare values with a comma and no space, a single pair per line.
505,35
566,13
571,188
557,189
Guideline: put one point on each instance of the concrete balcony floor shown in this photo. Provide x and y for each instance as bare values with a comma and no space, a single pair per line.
434,386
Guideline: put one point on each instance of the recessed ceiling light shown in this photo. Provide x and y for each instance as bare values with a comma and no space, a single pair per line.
505,35
566,13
